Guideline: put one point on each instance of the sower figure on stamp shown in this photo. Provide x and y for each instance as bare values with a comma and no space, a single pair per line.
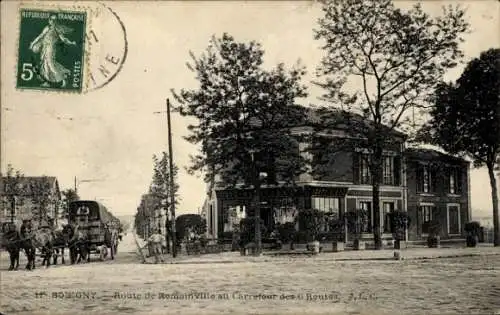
50,70
155,240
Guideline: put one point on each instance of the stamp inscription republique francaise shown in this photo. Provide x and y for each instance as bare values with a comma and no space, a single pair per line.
51,50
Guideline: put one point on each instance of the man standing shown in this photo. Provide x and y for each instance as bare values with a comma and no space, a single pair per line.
155,240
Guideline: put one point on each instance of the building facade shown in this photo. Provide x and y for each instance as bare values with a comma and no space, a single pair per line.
150,216
438,189
343,184
34,198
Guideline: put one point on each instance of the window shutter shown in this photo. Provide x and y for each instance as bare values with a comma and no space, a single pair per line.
355,167
397,170
459,186
447,174
433,172
419,177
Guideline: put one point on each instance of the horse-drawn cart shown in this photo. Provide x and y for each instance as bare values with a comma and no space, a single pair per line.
100,227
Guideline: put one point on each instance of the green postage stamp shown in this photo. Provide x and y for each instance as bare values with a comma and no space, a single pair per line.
51,50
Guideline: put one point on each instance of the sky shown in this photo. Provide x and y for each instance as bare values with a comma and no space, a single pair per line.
106,138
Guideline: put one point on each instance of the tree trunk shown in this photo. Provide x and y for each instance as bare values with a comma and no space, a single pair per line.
258,236
12,209
494,198
376,181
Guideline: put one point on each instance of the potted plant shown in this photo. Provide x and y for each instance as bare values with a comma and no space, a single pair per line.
337,227
286,233
355,220
400,222
434,236
247,234
311,221
473,229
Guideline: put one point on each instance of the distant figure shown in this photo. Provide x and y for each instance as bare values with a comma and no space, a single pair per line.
155,240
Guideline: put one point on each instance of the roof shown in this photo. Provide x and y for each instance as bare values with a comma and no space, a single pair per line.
430,154
25,183
334,118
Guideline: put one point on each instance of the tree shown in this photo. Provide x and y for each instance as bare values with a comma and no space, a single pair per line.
68,196
190,222
243,115
395,56
13,190
160,188
40,192
472,107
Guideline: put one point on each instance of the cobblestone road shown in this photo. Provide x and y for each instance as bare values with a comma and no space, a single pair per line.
465,285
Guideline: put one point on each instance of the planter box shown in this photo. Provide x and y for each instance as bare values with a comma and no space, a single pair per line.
338,246
472,240
359,245
434,242
286,247
313,247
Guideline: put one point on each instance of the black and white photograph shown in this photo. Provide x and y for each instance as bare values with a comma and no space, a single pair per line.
250,157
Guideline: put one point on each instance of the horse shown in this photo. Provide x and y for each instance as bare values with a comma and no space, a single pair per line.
77,243
60,242
12,242
43,239
29,248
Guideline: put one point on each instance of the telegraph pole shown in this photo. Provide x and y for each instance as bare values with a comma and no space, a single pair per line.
172,188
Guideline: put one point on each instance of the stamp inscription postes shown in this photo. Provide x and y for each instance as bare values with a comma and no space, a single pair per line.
51,50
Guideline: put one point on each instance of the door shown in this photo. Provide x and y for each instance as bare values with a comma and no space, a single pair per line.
453,220
388,207
267,216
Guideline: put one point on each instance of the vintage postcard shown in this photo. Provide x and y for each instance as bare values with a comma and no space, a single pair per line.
250,157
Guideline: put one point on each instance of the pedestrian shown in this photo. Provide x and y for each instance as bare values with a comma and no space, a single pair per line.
155,240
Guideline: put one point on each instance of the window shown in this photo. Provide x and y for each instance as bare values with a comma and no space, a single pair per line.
425,179
365,169
388,207
388,170
367,223
427,215
454,186
326,204
233,216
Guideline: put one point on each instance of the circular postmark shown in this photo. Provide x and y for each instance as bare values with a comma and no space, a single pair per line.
106,47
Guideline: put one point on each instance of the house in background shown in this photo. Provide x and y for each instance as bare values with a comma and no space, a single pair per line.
150,216
426,183
26,205
438,188
340,185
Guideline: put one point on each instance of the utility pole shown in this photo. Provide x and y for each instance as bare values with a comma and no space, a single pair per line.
76,188
172,188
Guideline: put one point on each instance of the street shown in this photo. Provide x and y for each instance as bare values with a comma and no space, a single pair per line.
284,285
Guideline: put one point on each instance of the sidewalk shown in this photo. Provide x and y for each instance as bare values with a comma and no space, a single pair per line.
348,255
